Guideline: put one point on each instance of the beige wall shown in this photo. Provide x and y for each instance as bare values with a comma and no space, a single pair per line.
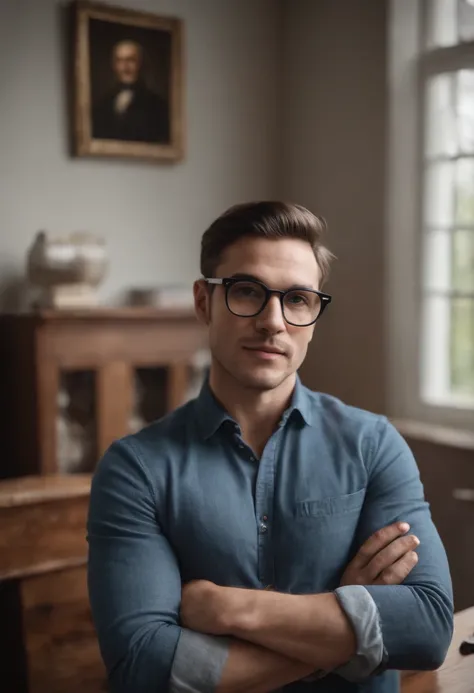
333,162
151,215
285,98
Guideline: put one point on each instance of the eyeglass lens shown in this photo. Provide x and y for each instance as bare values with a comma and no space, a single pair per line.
246,298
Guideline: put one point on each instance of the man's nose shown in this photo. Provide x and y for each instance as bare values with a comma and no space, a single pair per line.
271,318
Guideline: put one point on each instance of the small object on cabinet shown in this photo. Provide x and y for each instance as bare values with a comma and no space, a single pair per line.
67,271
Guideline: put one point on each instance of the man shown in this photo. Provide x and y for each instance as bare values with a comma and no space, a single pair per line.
257,537
132,112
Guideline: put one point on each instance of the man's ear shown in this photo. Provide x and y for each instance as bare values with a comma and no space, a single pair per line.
202,301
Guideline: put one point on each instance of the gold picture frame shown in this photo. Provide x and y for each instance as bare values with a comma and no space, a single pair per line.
128,83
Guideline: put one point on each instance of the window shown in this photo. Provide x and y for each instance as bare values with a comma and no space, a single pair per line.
448,238
431,190
448,22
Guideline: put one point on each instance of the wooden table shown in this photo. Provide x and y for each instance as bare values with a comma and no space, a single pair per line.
457,673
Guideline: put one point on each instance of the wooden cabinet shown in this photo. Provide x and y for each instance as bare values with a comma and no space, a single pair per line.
48,642
447,473
72,382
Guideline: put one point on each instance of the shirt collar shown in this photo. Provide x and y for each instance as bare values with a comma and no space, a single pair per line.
301,402
211,414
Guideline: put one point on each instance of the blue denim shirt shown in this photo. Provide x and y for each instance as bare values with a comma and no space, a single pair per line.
186,499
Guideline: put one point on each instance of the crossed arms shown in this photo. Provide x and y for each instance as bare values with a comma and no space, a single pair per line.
141,614
297,635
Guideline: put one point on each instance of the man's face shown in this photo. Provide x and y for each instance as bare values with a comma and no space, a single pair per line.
126,62
233,340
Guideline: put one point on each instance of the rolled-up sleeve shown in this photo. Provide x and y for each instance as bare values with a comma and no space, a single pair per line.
135,586
395,493
362,612
198,663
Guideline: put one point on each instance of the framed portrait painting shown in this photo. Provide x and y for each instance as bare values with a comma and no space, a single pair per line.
128,83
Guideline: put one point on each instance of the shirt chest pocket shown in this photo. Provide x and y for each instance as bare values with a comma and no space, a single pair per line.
320,537
331,507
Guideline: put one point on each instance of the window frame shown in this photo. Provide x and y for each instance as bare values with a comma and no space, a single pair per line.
409,66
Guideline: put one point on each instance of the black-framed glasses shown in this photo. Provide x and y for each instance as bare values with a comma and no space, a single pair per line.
246,298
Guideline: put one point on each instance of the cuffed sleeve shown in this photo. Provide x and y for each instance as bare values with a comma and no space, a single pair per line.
198,663
362,612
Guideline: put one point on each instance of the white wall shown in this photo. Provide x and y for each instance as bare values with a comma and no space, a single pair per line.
152,215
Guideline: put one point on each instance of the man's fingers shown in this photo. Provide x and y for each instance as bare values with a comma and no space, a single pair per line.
378,541
391,554
396,573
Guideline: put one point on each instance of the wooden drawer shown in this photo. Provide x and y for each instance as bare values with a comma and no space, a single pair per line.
48,640
60,640
40,534
43,520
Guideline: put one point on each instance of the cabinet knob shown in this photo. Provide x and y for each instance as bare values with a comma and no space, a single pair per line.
464,494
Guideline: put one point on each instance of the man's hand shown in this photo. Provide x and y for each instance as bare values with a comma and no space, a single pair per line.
386,558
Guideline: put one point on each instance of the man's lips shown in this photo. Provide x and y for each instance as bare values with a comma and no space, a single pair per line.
263,349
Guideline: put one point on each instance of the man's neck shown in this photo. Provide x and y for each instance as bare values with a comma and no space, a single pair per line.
257,412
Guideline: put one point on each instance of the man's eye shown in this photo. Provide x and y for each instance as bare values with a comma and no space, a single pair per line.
297,299
245,290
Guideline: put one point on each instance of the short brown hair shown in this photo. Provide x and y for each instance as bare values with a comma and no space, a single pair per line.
272,220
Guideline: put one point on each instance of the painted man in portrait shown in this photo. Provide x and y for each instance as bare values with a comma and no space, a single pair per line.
131,111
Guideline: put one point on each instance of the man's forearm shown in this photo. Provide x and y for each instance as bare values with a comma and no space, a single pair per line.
310,628
205,662
255,669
